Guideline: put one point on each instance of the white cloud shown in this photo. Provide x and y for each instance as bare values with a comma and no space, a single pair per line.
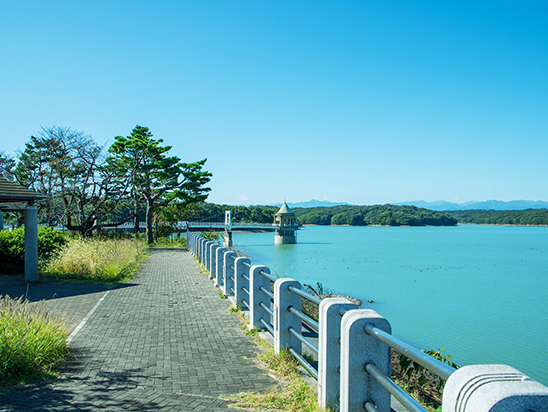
244,198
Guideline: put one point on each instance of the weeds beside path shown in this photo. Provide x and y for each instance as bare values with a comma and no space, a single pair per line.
32,342
108,260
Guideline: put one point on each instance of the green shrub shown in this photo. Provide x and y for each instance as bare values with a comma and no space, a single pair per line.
12,248
32,343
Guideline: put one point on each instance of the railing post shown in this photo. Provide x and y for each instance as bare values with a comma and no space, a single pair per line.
239,281
283,318
357,350
228,284
329,350
493,388
219,265
256,312
207,252
213,259
196,243
201,250
191,240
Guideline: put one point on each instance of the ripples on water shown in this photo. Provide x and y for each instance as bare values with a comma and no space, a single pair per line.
479,290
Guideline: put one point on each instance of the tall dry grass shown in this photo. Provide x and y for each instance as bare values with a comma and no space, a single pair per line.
32,341
106,260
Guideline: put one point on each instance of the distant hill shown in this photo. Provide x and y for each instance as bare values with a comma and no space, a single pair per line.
313,203
443,205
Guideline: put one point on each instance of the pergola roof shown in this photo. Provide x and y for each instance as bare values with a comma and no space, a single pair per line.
12,193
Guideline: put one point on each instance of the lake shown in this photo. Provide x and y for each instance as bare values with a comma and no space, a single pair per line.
480,290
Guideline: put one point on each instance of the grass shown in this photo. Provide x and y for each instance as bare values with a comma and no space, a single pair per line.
32,342
167,242
293,395
103,260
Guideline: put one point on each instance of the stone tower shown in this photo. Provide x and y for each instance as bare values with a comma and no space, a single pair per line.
287,230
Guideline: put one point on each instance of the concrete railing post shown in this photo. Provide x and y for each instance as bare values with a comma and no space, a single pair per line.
284,319
206,253
219,265
357,350
228,273
202,250
493,388
191,241
329,350
256,312
195,242
213,259
240,282
198,248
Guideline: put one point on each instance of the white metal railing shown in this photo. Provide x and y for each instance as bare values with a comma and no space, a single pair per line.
233,224
354,346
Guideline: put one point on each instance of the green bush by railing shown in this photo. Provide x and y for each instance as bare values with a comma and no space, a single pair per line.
12,248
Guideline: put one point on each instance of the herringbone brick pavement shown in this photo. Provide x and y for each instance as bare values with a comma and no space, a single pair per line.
164,342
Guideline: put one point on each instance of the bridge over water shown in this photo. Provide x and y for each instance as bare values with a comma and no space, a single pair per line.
285,225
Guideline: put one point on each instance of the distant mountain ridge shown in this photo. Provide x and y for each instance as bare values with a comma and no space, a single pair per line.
439,205
313,203
442,205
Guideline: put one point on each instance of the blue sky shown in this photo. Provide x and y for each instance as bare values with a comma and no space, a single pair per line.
359,101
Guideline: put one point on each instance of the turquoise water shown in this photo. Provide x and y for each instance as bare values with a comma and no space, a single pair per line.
479,290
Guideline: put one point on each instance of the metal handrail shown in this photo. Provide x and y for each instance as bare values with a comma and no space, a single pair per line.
303,362
245,303
267,326
268,276
303,339
246,291
247,265
401,395
432,364
268,293
245,277
304,294
306,319
262,305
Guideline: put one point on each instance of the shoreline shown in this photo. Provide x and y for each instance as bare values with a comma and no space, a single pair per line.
458,224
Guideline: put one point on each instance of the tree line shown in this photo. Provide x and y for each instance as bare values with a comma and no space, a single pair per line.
88,187
502,217
385,215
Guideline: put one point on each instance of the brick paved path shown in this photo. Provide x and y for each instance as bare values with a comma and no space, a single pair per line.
164,342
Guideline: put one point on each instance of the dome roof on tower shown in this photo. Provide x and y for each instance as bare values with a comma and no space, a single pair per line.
284,210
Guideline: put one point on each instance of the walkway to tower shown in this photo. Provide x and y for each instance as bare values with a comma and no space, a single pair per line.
164,342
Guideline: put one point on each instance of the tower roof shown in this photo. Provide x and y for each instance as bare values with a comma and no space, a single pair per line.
284,210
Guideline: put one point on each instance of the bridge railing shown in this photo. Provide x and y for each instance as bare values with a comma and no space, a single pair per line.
354,346
233,224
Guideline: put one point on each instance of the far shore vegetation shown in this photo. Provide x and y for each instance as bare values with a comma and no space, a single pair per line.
533,217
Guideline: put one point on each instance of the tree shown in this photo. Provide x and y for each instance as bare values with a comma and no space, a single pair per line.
68,167
155,177
7,164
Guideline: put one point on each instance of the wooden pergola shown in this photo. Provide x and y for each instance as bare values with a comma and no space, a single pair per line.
14,197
